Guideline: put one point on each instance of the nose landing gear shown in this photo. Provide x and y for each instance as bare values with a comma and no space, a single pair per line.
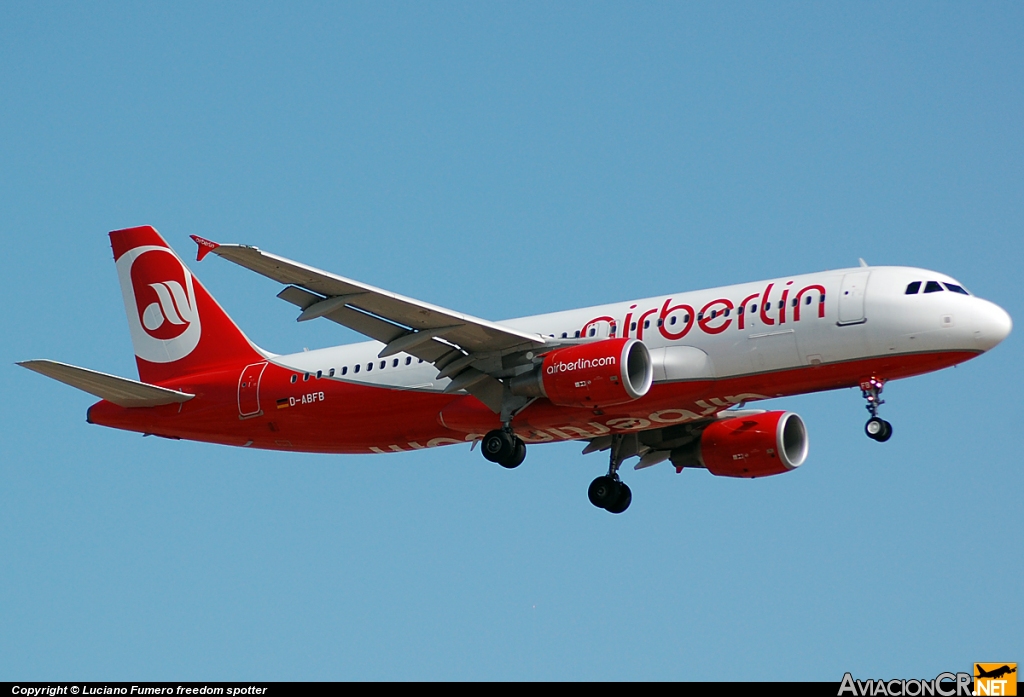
504,447
877,428
608,491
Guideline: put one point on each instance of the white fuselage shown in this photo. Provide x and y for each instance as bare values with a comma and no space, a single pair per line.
784,323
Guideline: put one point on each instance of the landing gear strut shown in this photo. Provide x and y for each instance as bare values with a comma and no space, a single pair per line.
877,428
504,447
607,491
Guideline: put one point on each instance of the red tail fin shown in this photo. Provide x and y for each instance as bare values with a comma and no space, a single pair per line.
177,327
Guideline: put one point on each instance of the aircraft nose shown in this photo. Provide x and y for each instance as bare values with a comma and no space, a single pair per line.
992,324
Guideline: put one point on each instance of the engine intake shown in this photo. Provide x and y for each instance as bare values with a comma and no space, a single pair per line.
748,446
601,373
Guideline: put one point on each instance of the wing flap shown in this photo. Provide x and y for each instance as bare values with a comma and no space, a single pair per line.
121,391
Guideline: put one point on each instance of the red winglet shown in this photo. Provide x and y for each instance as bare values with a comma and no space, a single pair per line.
205,246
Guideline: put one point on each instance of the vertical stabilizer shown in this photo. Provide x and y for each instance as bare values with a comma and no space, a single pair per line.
177,328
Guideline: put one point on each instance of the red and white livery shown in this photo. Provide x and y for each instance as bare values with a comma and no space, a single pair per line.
662,379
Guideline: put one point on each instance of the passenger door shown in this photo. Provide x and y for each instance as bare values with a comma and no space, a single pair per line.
851,298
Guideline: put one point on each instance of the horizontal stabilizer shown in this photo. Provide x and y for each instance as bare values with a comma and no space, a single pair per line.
120,391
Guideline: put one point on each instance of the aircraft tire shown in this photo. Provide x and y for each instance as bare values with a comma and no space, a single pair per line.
876,429
603,491
624,499
498,446
517,456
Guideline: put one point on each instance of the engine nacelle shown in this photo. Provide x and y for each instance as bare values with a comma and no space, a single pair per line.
597,374
749,446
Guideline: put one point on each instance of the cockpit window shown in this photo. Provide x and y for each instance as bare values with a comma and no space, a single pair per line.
933,287
913,288
955,288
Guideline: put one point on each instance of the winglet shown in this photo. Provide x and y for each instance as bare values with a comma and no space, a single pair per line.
205,246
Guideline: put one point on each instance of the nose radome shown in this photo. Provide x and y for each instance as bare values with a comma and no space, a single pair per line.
992,324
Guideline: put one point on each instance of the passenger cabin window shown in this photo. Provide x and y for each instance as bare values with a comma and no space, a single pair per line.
319,374
955,288
330,373
408,360
932,287
356,369
395,363
912,289
382,364
294,378
344,370
369,367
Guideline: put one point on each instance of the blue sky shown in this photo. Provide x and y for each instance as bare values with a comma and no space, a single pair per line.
504,159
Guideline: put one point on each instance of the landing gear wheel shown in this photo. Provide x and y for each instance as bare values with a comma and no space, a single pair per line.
603,491
878,429
609,492
517,456
498,446
505,448
874,427
623,501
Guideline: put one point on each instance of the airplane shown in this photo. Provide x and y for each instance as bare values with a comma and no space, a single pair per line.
668,378
995,673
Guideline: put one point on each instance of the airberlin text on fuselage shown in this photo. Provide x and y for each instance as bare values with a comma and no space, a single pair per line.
717,316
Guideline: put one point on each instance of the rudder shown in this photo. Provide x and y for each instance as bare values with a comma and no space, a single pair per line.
177,328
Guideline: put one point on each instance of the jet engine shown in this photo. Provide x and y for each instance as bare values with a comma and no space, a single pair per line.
748,446
601,373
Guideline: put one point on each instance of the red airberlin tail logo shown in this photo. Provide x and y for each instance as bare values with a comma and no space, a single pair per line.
161,303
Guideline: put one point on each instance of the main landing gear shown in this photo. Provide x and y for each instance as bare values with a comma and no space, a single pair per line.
607,491
876,428
504,447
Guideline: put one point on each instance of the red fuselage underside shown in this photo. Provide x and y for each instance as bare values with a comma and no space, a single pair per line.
333,416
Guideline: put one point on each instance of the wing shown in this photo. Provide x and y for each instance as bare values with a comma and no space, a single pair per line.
121,391
474,352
